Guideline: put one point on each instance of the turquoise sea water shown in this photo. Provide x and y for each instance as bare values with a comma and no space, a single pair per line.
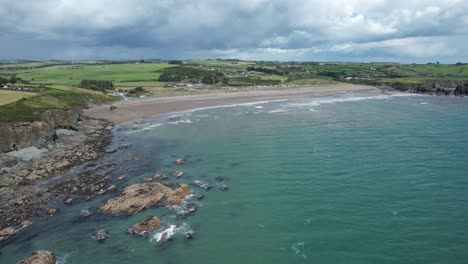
351,179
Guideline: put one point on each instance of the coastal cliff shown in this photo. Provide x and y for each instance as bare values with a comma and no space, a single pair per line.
21,134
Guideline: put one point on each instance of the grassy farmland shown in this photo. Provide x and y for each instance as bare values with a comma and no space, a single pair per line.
7,96
60,82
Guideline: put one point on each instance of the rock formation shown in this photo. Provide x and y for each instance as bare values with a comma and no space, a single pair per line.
144,227
140,196
39,257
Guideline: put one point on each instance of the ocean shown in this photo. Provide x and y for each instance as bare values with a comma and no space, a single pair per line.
348,179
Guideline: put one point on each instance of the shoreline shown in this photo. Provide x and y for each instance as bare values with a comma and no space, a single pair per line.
30,188
141,108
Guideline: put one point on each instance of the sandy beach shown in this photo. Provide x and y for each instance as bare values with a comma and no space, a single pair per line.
140,108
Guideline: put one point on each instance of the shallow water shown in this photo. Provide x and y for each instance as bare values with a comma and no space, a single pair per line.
353,179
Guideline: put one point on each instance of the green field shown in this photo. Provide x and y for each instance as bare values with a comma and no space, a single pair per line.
7,96
60,81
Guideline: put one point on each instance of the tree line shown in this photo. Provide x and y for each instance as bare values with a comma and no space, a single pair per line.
193,75
265,70
97,85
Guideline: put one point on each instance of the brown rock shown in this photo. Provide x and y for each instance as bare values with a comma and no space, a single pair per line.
40,257
160,177
25,223
147,179
52,211
149,224
69,201
177,174
140,196
6,233
178,195
179,162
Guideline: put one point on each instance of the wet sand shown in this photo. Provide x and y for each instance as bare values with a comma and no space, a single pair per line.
140,108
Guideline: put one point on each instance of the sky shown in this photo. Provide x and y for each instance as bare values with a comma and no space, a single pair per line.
285,30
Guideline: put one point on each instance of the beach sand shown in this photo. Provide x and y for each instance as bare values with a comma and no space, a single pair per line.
139,108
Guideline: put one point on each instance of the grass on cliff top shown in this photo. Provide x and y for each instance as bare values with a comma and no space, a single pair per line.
29,109
7,96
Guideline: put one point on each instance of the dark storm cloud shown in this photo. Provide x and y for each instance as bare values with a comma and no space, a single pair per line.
248,29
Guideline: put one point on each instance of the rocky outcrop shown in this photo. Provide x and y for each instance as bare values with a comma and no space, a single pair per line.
6,233
20,199
21,134
144,227
39,257
138,197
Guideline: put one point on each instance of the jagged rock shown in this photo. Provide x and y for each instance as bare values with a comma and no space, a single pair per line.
121,178
52,211
177,174
148,179
40,257
179,162
101,235
140,196
6,233
17,135
144,227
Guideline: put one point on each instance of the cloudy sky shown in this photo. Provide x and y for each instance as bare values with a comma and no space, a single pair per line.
307,30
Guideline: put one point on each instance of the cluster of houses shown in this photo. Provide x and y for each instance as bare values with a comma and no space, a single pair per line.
19,88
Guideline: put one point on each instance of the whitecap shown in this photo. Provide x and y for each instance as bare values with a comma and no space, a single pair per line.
186,121
166,234
145,128
276,111
424,103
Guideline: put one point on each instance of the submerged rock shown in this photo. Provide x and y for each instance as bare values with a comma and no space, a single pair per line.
189,235
84,214
140,196
6,233
224,187
121,178
177,174
101,235
202,185
144,227
39,257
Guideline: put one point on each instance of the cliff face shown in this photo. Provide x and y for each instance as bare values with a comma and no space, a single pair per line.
22,134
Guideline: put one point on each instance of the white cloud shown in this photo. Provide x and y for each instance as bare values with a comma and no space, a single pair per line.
399,28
